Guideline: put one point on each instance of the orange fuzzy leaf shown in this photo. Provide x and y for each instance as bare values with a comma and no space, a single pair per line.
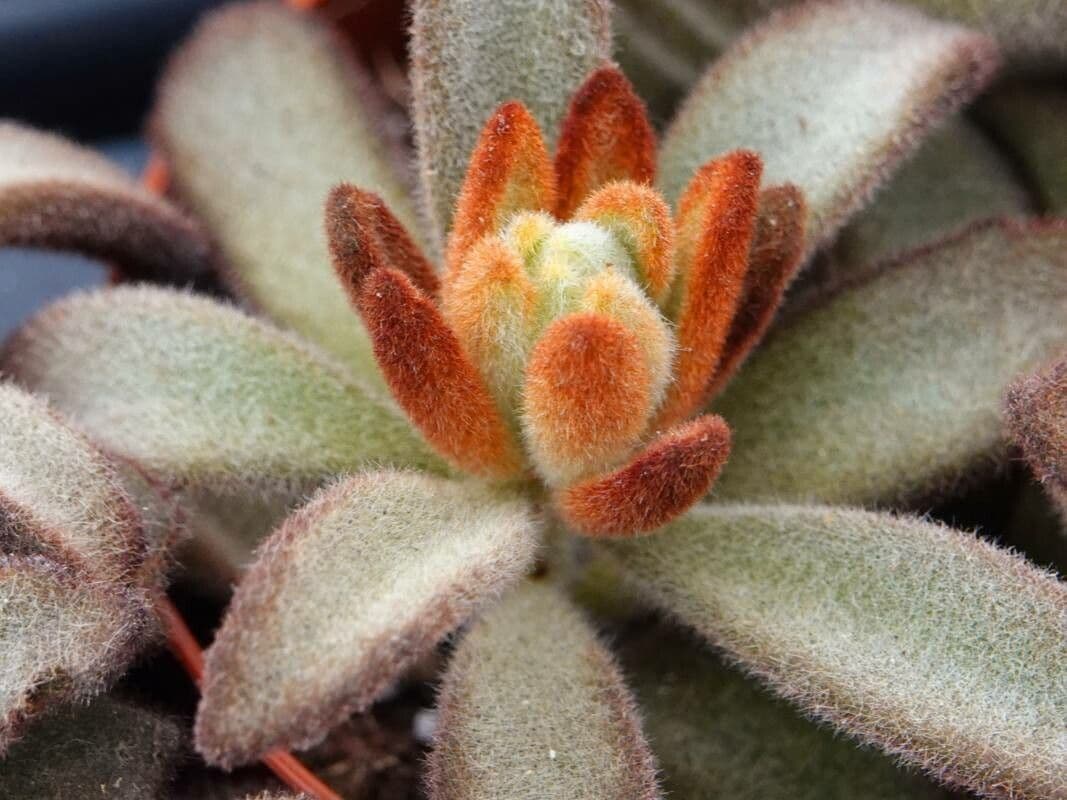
364,235
777,252
716,220
588,395
657,485
509,171
606,137
640,218
432,378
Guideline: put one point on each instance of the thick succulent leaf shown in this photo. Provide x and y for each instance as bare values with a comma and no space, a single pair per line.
60,497
259,115
533,706
58,195
469,57
1037,418
62,636
891,389
931,643
716,734
1030,121
203,394
110,749
346,595
836,124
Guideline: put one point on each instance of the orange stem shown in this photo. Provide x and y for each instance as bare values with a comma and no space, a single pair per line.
282,763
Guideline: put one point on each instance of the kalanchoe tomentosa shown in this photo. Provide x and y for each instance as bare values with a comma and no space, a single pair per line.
556,369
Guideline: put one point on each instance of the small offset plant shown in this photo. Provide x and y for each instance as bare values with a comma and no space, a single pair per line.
528,410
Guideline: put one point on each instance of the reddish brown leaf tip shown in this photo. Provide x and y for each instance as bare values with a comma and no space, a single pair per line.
606,137
1037,419
364,235
778,248
432,378
657,485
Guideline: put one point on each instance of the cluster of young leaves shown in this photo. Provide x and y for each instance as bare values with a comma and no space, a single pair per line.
883,389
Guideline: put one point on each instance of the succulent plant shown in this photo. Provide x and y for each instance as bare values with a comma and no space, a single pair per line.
514,398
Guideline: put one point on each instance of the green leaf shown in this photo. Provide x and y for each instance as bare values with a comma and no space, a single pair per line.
260,113
1037,419
891,390
833,96
533,706
57,195
470,56
928,642
347,594
203,394
716,735
111,749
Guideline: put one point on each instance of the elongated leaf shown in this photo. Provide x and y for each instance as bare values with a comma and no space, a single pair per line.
832,95
111,749
345,596
892,389
533,706
203,394
57,195
1037,418
468,57
259,115
936,646
717,735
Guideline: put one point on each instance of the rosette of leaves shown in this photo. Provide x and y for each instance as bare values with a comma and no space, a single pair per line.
548,379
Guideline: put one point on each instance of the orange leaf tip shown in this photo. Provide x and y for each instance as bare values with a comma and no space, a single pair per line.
658,484
606,136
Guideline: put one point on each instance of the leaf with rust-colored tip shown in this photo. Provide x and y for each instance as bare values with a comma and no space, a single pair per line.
346,595
716,222
510,172
111,749
606,137
832,95
434,381
63,635
776,255
942,649
1037,418
469,57
364,235
202,394
60,196
259,114
661,482
533,706
891,390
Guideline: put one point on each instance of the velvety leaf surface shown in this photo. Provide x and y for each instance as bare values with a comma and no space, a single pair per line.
348,593
891,389
533,706
468,57
1037,420
938,647
835,125
717,735
110,749
58,195
201,393
259,115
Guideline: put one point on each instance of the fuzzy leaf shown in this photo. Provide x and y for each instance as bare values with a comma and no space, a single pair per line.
891,390
348,593
468,57
533,706
928,642
835,125
111,749
259,115
203,394
716,735
62,636
60,196
1037,418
